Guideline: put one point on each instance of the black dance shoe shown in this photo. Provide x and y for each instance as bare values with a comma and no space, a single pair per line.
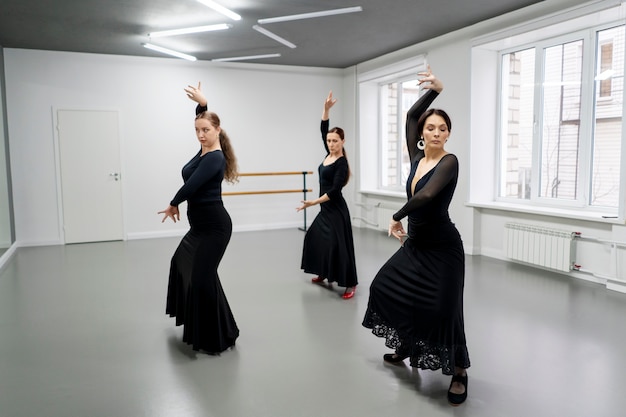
394,358
458,399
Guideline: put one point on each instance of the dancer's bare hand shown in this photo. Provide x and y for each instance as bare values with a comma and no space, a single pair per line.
196,94
171,212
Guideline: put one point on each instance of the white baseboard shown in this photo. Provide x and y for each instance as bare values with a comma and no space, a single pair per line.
4,259
33,243
155,235
619,286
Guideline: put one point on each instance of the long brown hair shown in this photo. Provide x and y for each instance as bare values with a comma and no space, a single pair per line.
231,173
339,131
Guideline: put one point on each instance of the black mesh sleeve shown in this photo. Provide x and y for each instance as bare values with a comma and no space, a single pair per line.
200,109
339,180
412,116
324,129
446,170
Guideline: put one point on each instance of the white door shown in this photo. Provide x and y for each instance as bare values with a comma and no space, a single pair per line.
89,156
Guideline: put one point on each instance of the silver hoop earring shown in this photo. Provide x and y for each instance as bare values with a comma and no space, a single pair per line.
420,144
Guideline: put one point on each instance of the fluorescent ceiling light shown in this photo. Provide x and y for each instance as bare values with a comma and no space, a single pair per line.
220,9
183,31
245,58
273,36
309,15
169,51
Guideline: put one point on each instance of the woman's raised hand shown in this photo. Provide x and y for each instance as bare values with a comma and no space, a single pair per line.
429,82
195,94
330,101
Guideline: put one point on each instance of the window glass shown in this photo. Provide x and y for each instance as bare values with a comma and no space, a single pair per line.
560,131
607,138
518,85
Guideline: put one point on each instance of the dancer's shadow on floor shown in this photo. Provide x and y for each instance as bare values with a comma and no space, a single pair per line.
179,349
426,383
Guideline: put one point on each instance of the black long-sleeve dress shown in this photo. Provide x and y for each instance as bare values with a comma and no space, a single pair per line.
416,299
195,295
328,249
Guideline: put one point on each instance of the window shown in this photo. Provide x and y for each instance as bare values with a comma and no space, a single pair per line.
385,95
560,128
396,99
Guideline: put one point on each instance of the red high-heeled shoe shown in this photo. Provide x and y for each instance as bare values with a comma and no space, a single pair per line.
349,293
317,280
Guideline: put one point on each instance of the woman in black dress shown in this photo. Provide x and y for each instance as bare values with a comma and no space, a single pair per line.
195,295
328,248
416,299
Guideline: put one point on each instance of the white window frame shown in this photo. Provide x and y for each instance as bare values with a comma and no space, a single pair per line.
485,152
371,121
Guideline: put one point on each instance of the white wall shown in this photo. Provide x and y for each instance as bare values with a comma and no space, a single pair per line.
271,113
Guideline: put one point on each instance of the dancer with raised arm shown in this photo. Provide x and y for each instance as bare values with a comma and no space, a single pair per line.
416,299
195,295
328,250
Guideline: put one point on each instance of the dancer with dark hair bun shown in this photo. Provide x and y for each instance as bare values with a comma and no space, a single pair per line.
328,248
195,295
416,299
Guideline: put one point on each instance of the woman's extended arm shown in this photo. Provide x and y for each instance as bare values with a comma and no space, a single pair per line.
328,103
446,170
208,167
435,86
339,180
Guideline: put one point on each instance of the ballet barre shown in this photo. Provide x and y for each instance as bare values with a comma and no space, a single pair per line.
303,190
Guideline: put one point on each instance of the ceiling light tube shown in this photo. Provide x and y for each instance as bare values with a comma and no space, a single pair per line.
245,58
169,51
220,9
309,15
184,31
273,36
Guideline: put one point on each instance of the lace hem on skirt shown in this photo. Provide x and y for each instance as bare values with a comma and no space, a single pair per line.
423,354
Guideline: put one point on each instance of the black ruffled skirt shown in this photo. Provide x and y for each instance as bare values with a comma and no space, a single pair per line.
328,249
416,301
195,295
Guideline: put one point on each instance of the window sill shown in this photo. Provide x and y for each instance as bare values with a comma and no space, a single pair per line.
548,211
384,193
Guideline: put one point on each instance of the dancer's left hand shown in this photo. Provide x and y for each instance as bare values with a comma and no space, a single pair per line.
396,229
171,212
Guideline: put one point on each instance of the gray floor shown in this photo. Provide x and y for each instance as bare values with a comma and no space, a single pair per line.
83,333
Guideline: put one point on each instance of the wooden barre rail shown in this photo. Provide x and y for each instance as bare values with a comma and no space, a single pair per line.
303,190
266,192
255,174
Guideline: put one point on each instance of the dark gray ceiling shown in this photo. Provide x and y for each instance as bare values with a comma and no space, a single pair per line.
120,27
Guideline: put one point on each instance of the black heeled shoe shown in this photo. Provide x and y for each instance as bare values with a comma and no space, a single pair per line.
394,358
457,399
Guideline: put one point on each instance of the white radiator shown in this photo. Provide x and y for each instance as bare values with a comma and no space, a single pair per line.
376,215
540,246
383,215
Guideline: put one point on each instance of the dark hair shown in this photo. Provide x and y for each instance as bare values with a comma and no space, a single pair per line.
438,112
230,173
340,132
